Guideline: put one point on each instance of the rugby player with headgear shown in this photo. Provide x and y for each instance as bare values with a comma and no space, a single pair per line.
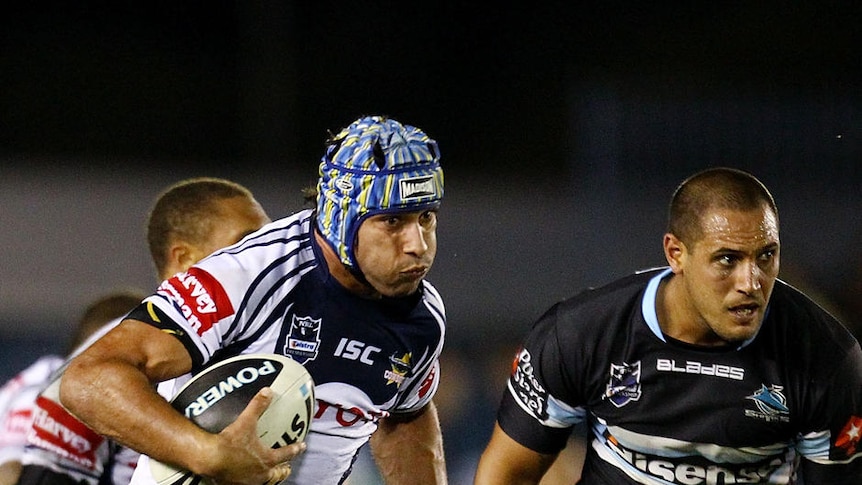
339,288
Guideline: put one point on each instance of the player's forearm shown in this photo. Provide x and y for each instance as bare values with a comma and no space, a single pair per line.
109,386
505,462
410,452
116,400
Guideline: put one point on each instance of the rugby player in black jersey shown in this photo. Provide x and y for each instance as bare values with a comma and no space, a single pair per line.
708,371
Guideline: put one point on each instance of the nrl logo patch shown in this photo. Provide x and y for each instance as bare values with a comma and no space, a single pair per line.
303,340
624,385
417,187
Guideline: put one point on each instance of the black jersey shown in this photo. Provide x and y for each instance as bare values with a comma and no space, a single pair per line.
665,412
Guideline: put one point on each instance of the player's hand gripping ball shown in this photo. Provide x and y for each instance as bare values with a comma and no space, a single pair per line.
216,396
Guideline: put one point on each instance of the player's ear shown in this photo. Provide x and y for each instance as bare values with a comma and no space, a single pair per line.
674,252
181,256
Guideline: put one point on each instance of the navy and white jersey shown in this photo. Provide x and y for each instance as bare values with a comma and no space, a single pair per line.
272,293
58,441
664,412
17,398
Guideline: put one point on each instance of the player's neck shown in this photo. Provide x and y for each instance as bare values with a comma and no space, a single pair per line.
678,318
340,272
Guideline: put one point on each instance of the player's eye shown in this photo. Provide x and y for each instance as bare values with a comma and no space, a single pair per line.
428,217
727,260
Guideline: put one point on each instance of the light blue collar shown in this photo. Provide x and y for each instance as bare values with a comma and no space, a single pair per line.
648,304
649,312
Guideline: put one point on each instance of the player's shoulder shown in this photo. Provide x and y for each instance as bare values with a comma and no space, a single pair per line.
614,295
604,309
797,314
284,240
293,228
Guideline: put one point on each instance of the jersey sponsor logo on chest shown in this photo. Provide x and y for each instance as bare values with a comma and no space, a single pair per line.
355,350
700,368
346,417
679,471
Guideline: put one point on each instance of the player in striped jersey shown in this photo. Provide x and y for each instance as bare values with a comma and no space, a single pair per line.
20,396
339,288
711,371
189,220
16,412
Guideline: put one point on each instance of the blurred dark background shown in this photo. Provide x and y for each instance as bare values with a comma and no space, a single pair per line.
564,128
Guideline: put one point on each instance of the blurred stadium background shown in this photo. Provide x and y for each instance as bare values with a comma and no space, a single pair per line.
563,132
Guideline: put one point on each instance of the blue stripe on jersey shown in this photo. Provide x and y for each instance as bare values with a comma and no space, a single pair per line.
648,304
815,446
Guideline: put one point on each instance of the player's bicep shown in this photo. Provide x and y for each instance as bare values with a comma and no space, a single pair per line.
159,355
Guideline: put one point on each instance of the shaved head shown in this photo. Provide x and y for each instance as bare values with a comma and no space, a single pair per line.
715,188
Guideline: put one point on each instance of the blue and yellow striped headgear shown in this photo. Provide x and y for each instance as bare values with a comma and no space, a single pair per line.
376,165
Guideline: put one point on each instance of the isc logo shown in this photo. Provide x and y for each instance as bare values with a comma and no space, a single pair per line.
356,350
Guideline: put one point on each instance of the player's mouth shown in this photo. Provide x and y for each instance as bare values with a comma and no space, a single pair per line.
745,313
415,272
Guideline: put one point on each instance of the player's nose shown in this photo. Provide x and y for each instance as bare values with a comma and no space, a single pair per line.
415,241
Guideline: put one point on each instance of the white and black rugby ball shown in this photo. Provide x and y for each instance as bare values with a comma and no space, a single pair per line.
216,396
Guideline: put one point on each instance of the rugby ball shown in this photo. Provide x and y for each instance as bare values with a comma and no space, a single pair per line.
217,395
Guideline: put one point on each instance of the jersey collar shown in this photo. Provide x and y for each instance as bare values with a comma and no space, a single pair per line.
650,315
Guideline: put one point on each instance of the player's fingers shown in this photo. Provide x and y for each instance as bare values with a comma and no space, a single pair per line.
258,404
278,473
284,454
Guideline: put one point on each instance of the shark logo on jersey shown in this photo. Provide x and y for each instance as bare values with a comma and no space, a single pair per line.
303,340
400,367
771,404
625,384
